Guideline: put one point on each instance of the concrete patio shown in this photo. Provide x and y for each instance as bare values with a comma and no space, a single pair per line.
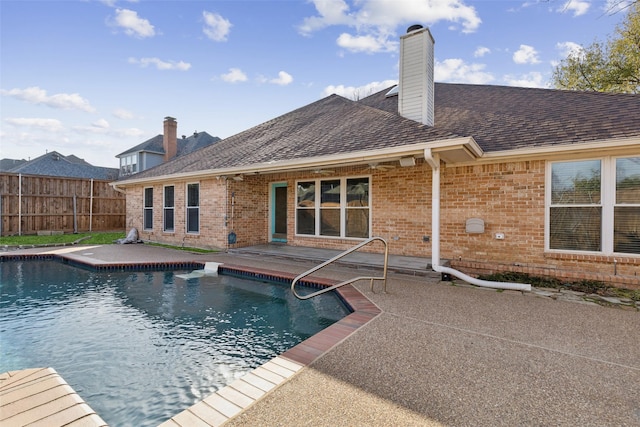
445,353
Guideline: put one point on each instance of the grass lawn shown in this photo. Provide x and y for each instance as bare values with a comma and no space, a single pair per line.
92,239
87,239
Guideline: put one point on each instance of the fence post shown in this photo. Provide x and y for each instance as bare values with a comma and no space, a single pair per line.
91,206
75,215
19,204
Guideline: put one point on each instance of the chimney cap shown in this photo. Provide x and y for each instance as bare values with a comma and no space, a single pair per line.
414,27
170,119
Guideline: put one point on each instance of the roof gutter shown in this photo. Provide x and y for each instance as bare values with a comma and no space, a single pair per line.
433,159
308,163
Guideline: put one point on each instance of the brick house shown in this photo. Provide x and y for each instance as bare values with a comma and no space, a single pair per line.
161,148
489,178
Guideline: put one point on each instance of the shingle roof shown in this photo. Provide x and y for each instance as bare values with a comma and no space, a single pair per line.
185,145
329,126
7,164
505,118
498,118
55,164
151,145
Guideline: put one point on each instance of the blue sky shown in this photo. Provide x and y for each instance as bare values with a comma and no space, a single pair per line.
94,78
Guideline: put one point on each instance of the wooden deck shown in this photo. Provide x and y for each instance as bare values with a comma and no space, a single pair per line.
40,397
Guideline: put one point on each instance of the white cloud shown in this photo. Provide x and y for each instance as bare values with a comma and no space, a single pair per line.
48,125
160,64
358,92
132,24
128,132
234,75
375,21
101,123
331,12
367,43
526,55
578,7
388,14
283,79
532,79
216,27
567,49
36,95
455,70
481,51
123,114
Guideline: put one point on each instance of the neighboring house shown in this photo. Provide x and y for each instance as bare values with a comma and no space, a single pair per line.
55,164
162,148
59,193
490,178
8,164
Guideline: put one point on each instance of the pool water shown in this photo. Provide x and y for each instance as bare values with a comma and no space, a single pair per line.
139,347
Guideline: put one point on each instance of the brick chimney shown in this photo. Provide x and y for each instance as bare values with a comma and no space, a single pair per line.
415,89
170,138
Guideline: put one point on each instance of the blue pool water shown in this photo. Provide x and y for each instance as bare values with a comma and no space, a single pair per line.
139,347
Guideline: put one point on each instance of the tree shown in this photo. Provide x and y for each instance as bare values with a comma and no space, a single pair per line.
613,66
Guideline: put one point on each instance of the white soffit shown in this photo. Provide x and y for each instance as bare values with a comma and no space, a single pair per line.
457,150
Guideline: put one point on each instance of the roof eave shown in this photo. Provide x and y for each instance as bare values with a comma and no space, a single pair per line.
617,146
310,163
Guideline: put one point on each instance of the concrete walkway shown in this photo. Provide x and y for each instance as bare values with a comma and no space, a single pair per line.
443,353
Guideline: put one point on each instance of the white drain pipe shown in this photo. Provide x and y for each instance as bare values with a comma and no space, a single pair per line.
434,161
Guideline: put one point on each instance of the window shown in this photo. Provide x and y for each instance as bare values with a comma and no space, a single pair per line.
168,208
333,207
193,208
594,205
148,209
626,211
129,164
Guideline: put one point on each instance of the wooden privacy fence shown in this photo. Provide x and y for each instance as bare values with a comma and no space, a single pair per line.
30,204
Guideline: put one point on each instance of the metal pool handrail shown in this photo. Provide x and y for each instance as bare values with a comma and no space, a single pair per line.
346,282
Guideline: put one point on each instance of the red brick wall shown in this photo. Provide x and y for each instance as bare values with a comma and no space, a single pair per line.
510,200
509,197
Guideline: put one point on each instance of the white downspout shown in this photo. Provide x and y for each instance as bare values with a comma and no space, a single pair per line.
434,161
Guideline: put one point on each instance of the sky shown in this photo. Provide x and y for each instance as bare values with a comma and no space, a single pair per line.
95,78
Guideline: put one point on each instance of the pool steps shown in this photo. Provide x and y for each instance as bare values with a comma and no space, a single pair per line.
210,269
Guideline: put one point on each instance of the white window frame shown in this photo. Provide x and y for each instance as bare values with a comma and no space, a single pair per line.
607,203
146,208
187,208
171,208
129,164
343,206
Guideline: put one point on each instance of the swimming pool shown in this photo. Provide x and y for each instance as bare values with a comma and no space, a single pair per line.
141,346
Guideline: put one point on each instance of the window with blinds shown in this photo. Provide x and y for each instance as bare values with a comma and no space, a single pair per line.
626,213
595,205
193,208
169,206
148,209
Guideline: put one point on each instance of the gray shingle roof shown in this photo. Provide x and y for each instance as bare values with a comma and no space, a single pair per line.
7,164
497,117
185,145
151,145
505,118
329,126
55,164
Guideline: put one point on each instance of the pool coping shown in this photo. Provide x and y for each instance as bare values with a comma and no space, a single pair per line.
231,400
